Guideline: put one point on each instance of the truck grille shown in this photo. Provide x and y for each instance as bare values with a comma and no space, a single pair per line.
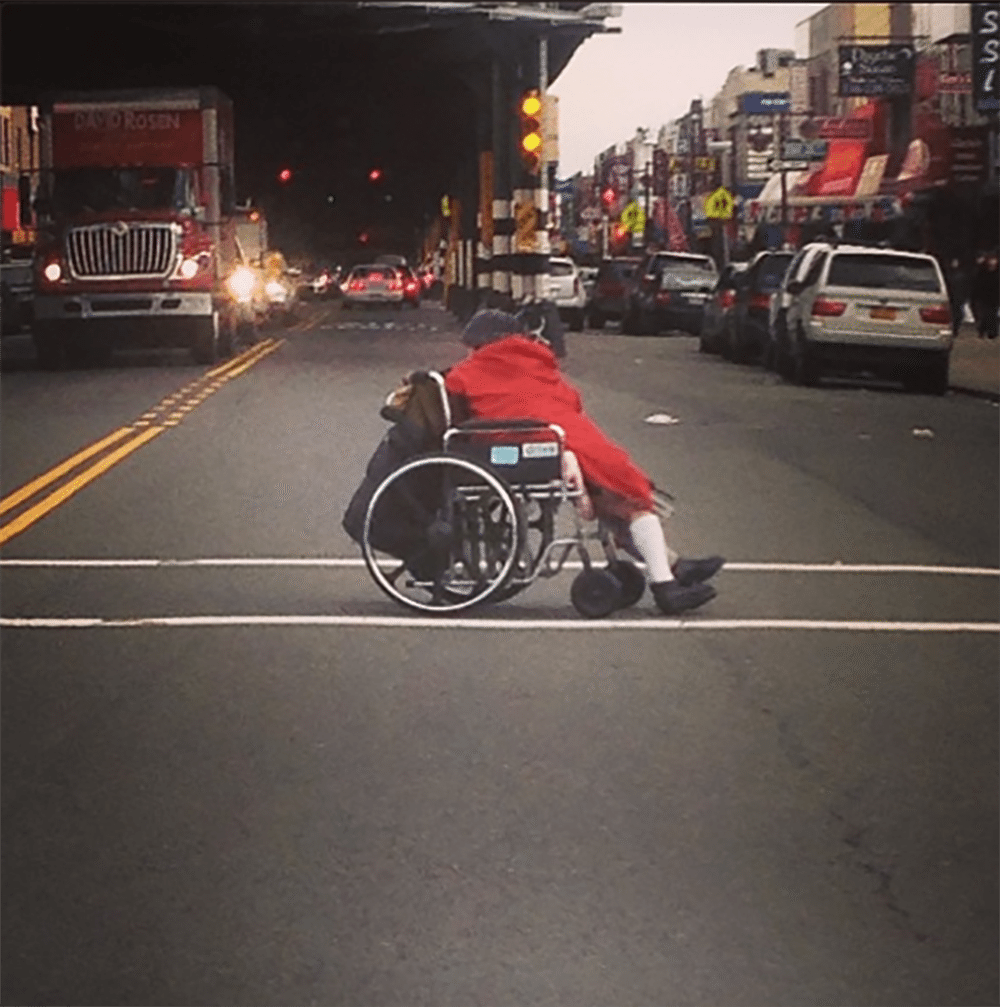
116,250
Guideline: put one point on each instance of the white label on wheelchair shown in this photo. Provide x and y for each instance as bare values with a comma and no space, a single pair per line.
504,454
540,449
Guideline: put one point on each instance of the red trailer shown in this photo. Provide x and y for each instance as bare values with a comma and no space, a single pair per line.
137,224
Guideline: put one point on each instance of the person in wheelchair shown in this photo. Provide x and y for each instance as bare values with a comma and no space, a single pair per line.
512,372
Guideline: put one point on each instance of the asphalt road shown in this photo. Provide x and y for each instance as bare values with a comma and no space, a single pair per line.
234,773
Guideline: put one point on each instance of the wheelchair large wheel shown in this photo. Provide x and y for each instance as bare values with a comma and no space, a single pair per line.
457,527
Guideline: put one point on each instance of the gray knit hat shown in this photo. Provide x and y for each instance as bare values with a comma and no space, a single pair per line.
489,326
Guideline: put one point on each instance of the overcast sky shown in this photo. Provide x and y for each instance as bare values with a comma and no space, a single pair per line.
666,54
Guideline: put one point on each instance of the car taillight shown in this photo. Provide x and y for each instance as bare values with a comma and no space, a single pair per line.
412,286
936,314
762,301
727,298
394,285
357,285
576,286
830,309
663,297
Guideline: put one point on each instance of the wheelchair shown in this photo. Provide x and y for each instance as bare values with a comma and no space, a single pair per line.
475,521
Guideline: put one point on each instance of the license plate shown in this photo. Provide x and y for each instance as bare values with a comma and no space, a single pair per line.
884,314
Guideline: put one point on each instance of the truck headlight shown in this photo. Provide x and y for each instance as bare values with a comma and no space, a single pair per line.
241,283
189,267
52,272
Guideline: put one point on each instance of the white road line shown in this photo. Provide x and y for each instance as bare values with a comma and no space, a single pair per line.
347,562
571,625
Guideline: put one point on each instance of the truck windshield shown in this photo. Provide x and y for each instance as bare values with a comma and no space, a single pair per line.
99,189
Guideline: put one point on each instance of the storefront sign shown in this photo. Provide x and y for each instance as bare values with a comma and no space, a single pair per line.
837,128
954,83
875,71
985,27
765,102
969,154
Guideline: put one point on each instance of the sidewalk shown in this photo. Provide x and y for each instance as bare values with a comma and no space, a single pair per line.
975,364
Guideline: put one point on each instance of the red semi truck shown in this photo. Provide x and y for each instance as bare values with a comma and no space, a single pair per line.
137,225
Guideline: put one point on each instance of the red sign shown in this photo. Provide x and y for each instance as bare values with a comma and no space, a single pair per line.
837,128
11,210
954,83
121,136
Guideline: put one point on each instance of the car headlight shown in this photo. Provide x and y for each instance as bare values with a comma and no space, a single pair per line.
241,283
275,290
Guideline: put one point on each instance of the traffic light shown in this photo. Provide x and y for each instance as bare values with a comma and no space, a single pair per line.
374,175
530,147
285,175
608,198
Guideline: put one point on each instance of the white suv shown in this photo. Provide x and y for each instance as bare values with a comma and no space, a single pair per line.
777,354
566,292
871,309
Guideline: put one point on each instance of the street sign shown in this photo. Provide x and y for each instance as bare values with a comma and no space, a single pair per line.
633,218
590,214
526,222
720,205
803,150
774,164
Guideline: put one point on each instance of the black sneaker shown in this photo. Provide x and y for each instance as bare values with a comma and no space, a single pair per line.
672,597
697,571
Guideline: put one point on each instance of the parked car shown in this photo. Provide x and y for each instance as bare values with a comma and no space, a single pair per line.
17,290
746,329
372,285
718,306
776,351
611,290
875,310
566,292
671,294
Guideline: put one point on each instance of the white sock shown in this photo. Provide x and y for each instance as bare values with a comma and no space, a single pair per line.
651,544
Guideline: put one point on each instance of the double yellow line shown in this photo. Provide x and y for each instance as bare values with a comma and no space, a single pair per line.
167,413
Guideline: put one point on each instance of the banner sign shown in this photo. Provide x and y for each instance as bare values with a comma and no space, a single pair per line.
875,71
985,29
765,102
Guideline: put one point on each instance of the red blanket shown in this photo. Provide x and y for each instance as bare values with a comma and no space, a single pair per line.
515,378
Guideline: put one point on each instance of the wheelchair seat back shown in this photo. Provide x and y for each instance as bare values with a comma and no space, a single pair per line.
524,452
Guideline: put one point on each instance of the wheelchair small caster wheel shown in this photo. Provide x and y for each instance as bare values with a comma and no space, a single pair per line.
632,581
595,593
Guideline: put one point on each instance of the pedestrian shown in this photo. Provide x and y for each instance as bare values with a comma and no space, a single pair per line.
958,292
986,295
512,373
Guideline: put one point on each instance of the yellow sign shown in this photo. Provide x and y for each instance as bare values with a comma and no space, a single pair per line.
526,223
720,205
634,218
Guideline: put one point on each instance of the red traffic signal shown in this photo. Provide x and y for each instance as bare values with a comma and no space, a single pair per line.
285,175
530,146
608,197
374,175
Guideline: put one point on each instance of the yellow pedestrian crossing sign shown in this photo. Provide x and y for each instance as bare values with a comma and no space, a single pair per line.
719,206
634,218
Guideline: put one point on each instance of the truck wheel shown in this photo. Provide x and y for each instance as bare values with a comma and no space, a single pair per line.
50,350
205,347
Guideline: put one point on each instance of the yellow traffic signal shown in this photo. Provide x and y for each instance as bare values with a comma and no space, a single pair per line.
530,112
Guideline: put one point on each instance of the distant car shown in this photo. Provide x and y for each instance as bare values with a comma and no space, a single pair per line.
671,294
370,286
412,287
718,306
746,329
610,294
323,283
874,310
566,291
